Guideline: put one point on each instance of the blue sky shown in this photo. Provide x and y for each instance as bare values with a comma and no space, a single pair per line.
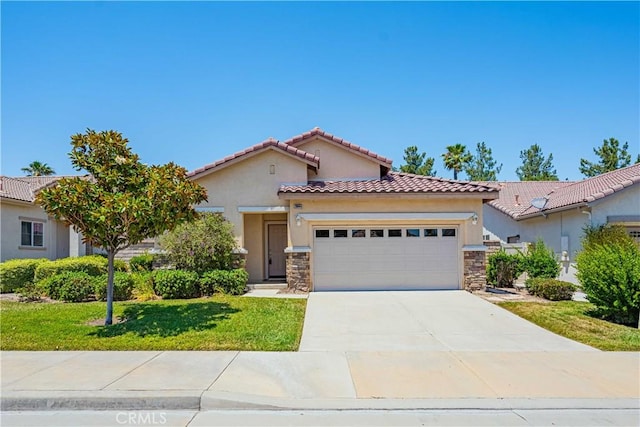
194,82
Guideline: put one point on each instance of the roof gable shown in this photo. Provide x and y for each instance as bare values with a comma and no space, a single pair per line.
269,144
316,132
24,188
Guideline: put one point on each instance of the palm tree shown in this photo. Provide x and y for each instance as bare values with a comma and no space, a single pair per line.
456,158
37,168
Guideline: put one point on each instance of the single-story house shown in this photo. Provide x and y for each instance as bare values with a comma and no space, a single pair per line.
558,211
26,229
326,214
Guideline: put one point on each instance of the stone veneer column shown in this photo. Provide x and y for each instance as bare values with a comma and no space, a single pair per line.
298,271
475,273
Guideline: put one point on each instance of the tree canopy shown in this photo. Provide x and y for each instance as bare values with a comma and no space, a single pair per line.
482,166
535,167
37,168
456,158
122,201
417,163
611,155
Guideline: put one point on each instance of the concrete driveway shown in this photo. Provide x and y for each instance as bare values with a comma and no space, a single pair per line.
420,321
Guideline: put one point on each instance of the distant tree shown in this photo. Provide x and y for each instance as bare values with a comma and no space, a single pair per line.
535,167
612,157
482,166
123,201
418,164
37,168
456,158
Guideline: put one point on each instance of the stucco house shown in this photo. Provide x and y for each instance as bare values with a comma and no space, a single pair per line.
558,211
26,229
326,214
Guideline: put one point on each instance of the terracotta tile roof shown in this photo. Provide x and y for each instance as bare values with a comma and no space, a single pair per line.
393,182
562,194
24,188
267,144
299,139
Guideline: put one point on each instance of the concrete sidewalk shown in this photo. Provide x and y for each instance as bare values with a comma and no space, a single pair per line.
318,380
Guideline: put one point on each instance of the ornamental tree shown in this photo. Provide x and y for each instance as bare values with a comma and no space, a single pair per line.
122,201
456,158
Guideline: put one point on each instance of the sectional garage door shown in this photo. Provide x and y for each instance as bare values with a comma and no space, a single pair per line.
379,258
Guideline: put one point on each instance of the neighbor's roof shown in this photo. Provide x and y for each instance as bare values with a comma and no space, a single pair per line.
393,182
255,149
562,194
24,188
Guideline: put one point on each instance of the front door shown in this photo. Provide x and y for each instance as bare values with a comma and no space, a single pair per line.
277,242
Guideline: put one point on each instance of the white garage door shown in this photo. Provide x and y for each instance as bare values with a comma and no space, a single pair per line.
376,258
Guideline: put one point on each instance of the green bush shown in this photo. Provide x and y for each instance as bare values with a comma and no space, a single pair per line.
93,265
232,282
143,286
202,245
503,268
29,292
17,273
610,276
123,285
142,262
541,261
175,284
551,289
69,286
604,234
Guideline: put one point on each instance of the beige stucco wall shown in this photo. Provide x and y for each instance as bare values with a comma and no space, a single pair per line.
10,218
339,163
469,234
249,183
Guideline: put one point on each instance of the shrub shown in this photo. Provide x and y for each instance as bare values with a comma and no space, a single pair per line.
551,289
143,286
142,262
503,268
29,292
69,286
17,273
93,265
174,284
122,286
232,282
604,234
202,245
541,261
610,276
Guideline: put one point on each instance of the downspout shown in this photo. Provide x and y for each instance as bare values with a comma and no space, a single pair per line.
587,211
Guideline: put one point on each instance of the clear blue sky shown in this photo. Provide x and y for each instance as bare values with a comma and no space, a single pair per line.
194,82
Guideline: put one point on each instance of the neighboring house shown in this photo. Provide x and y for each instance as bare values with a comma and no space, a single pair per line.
558,211
26,229
329,215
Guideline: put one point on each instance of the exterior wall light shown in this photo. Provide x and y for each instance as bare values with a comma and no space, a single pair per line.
474,218
298,220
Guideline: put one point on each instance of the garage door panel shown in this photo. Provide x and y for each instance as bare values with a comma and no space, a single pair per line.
366,263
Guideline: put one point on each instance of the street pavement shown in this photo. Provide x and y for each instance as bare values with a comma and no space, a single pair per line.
493,374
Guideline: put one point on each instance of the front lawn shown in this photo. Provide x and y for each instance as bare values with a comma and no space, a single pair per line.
221,322
569,319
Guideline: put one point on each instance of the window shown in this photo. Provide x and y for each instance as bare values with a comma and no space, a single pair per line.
32,234
358,233
376,233
322,233
513,239
413,232
448,232
340,233
395,232
430,232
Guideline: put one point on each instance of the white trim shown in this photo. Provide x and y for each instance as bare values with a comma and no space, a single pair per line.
474,248
263,209
216,209
297,249
377,216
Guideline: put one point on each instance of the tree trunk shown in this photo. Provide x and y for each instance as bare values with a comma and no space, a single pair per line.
455,174
110,257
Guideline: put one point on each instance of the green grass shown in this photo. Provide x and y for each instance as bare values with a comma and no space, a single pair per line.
217,323
570,319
